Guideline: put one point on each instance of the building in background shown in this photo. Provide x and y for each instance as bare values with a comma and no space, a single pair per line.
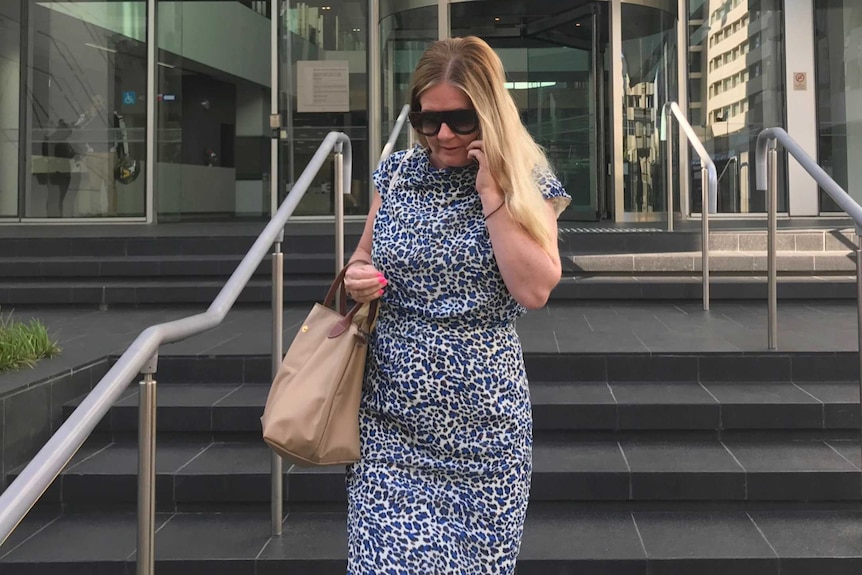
80,140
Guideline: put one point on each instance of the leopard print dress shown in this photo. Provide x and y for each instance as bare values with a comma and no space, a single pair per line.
445,420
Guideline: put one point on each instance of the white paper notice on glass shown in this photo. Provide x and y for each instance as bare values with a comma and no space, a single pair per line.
323,86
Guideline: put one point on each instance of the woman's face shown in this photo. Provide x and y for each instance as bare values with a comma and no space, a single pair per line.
448,149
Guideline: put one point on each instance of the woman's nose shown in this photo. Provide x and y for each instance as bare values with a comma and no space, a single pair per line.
445,133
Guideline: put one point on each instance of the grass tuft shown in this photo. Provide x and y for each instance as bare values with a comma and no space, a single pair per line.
24,344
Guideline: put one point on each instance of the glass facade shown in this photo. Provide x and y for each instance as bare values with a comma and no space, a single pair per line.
838,50
736,89
85,116
74,119
213,92
649,80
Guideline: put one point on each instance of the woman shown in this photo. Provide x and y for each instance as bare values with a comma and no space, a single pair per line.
461,238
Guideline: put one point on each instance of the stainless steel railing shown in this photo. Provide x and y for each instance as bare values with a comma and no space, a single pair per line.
767,179
708,181
393,136
142,357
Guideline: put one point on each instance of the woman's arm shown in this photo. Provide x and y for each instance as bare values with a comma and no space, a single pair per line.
362,281
529,272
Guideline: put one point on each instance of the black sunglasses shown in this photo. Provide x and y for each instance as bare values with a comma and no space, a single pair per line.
461,122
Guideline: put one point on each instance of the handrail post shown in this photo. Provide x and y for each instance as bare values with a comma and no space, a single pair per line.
704,222
147,468
339,208
276,466
772,242
669,162
859,316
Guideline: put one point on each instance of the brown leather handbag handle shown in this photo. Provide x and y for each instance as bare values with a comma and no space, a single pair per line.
338,284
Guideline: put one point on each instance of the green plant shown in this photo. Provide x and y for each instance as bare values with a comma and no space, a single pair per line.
23,344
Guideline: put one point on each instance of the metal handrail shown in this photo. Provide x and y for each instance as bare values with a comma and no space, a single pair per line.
767,179
142,357
708,182
393,136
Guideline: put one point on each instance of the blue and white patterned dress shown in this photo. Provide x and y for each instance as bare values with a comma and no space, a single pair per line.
445,420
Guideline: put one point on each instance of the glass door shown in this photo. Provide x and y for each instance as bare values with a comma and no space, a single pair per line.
553,61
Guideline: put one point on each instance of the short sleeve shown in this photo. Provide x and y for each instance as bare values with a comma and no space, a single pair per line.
553,190
382,176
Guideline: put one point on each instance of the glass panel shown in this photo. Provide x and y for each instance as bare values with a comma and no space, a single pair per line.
323,63
213,111
87,115
403,36
649,80
10,89
838,48
741,92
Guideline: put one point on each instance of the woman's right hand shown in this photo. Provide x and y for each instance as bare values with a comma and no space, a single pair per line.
364,283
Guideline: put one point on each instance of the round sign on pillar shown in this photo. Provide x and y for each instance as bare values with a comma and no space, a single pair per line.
800,81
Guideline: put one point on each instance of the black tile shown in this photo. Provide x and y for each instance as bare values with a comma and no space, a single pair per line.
315,484
218,543
97,247
653,368
655,405
257,369
848,449
741,368
801,470
757,405
219,369
814,541
825,367
579,540
129,267
841,403
181,407
704,543
551,367
226,472
80,539
26,424
581,405
579,471
684,470
32,522
66,388
310,544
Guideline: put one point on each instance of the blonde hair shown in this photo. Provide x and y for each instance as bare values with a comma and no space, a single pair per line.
513,156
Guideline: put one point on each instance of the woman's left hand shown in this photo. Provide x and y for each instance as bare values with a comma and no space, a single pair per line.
486,185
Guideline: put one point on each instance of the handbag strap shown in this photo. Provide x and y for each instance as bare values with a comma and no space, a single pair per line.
340,327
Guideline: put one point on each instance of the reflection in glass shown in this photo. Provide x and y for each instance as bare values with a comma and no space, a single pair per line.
738,93
324,88
404,37
10,88
838,49
649,80
86,116
213,111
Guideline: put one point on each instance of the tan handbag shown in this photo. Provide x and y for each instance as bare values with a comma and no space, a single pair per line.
311,415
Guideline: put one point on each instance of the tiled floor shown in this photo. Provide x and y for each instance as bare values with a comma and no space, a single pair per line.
86,334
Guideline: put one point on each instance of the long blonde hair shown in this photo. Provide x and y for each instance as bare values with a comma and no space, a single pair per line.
471,65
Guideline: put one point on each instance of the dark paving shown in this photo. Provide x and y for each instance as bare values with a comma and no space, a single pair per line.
86,334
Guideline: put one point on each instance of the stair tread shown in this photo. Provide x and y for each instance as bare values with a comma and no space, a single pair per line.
317,542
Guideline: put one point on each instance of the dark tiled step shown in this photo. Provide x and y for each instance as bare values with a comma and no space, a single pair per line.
671,288
557,539
194,473
133,268
97,292
576,406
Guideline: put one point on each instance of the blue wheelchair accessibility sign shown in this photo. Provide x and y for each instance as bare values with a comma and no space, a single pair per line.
130,98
